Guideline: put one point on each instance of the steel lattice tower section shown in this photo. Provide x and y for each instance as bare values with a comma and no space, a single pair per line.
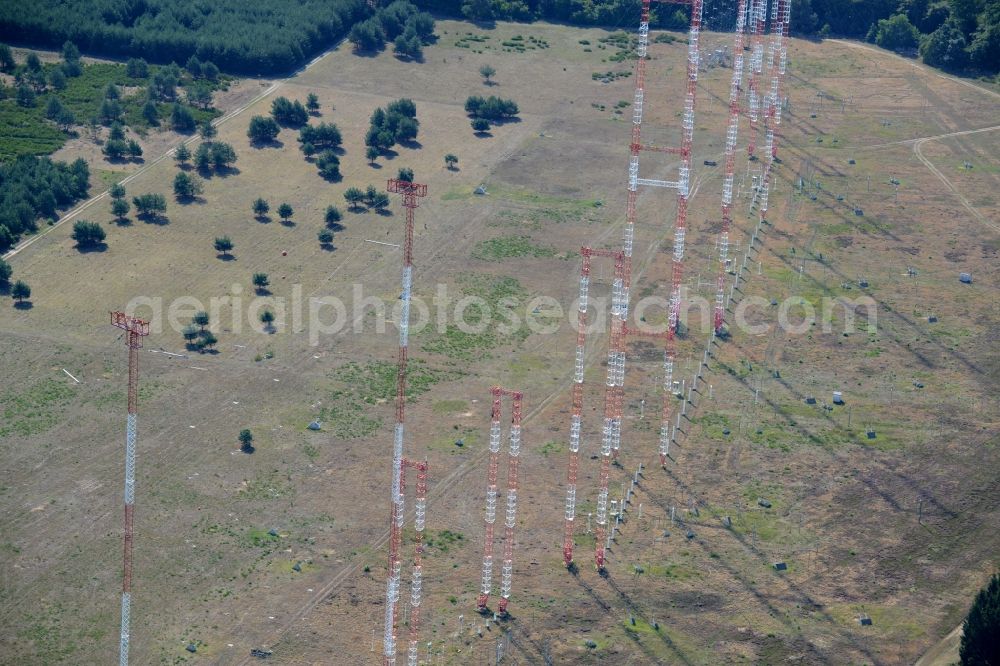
611,431
730,165
611,427
614,389
680,225
507,568
416,583
411,193
135,331
772,115
577,414
755,24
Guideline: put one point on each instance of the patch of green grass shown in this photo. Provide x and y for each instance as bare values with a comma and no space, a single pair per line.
346,416
257,537
450,441
34,410
485,328
713,423
348,413
375,382
311,451
48,636
508,247
26,132
550,447
442,540
450,406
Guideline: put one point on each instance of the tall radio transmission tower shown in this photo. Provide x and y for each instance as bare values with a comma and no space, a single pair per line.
730,164
135,331
514,451
614,389
411,193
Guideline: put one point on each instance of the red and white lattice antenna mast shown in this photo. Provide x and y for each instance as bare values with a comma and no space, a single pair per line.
611,427
730,164
416,582
615,351
614,389
486,584
577,414
135,331
611,433
755,24
411,192
507,568
680,225
772,118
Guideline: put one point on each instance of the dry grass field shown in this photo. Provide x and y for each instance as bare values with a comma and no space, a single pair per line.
899,528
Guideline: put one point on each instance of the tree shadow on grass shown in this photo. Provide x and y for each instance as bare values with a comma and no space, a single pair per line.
385,212
270,143
226,172
328,247
263,219
155,218
23,305
123,222
91,248
225,257
412,144
335,226
288,223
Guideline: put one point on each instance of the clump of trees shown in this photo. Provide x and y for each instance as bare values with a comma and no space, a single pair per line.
20,290
325,136
370,197
214,156
399,22
260,208
289,113
491,108
118,147
187,187
151,206
396,123
181,119
332,217
88,235
263,130
119,206
36,187
233,35
197,335
329,165
980,644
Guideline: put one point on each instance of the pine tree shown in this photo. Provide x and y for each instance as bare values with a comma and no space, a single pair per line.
981,631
